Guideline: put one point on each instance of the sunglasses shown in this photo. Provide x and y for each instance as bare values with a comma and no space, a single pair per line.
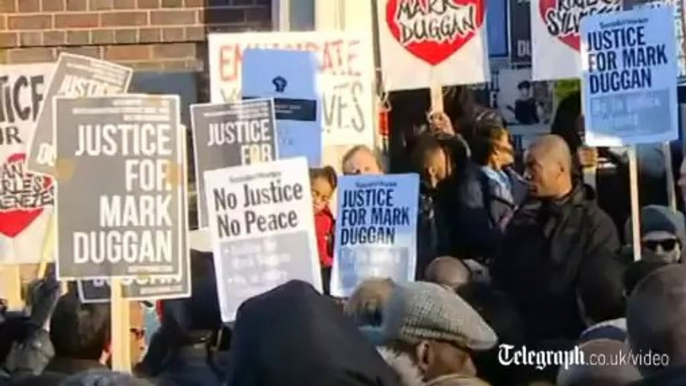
667,245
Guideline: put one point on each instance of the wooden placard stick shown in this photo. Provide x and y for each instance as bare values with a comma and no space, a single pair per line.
671,186
635,207
120,324
436,96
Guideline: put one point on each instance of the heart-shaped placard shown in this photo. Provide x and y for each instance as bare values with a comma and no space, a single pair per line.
562,17
13,222
434,30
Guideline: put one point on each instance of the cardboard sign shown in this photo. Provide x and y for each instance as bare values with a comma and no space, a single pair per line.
262,227
26,199
121,181
375,230
297,99
346,76
629,80
231,134
75,76
679,26
555,35
423,42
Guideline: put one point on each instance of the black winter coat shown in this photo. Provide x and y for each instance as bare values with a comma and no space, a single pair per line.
545,248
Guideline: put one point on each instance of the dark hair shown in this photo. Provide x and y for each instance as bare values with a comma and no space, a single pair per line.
639,270
426,145
328,173
79,331
565,121
524,84
601,289
483,140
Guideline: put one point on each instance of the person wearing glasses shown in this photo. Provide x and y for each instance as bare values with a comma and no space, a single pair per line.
491,190
663,232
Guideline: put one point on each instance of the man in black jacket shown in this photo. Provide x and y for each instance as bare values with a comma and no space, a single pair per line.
549,242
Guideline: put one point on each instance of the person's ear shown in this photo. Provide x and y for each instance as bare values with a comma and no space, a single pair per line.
424,356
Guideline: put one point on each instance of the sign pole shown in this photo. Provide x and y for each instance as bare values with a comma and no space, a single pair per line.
635,208
120,320
671,187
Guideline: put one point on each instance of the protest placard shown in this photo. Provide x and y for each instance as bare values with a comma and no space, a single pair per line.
520,32
629,78
262,227
555,42
120,197
297,98
230,134
346,76
150,289
375,230
74,76
421,43
26,199
679,26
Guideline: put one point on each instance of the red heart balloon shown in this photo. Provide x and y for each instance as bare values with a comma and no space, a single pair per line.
562,18
452,23
14,221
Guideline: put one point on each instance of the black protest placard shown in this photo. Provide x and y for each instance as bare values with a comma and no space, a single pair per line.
520,32
679,27
231,134
74,76
121,181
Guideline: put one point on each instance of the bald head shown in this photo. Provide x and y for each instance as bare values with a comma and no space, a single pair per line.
552,148
448,271
549,167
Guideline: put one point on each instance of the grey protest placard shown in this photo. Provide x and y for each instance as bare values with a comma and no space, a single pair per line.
679,27
520,32
121,180
74,76
231,134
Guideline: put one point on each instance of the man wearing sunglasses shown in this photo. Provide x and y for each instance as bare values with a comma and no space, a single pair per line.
663,232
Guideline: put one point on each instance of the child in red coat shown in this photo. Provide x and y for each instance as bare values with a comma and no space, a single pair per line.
323,183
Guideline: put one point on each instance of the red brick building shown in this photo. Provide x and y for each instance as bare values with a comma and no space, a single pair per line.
157,35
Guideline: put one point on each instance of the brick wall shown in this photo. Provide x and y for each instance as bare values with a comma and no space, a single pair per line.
145,34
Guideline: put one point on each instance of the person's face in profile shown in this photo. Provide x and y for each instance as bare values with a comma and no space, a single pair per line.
137,332
362,162
437,167
503,151
543,175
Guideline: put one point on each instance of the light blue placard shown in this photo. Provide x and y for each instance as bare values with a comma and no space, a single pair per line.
290,77
375,230
629,77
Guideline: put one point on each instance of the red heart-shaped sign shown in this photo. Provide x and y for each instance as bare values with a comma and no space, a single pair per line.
562,18
434,30
15,220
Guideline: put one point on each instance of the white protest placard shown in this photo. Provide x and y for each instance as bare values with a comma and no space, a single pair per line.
26,199
346,76
121,193
297,98
423,42
376,230
630,77
555,41
262,228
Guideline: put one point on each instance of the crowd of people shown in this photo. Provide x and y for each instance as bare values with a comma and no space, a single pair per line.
514,252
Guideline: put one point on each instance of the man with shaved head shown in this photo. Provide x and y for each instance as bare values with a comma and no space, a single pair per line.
448,272
549,242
